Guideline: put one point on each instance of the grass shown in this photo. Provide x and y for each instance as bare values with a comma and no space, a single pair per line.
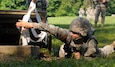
104,36
62,63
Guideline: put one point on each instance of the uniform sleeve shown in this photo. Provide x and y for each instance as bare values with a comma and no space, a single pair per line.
59,33
91,49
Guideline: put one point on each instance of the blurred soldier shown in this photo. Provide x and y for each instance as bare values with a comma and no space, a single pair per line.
78,40
81,12
101,6
33,36
42,9
41,6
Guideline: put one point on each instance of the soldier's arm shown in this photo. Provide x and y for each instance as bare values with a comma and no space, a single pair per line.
91,49
59,33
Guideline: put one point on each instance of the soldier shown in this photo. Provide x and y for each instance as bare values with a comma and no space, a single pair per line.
42,9
81,12
101,6
33,36
78,40
41,6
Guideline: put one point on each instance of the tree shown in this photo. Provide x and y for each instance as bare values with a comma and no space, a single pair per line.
111,6
68,8
12,4
88,3
53,7
56,7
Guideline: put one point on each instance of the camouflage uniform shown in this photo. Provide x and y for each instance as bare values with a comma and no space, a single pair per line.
87,45
100,9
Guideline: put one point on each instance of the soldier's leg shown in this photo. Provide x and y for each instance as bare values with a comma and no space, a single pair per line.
107,50
103,13
97,13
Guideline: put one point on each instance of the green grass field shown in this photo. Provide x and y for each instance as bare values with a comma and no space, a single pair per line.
104,36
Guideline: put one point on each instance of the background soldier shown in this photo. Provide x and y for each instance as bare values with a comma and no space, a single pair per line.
33,36
41,6
81,12
78,40
42,9
101,6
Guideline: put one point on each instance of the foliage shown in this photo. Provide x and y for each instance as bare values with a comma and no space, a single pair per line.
53,7
12,4
111,7
88,3
66,8
57,7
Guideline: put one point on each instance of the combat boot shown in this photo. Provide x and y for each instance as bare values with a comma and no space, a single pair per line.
113,44
102,24
95,24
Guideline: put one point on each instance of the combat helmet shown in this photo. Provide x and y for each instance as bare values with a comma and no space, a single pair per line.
42,4
81,26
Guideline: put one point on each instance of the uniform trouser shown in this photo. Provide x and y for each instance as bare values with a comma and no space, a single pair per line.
100,11
107,50
100,52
